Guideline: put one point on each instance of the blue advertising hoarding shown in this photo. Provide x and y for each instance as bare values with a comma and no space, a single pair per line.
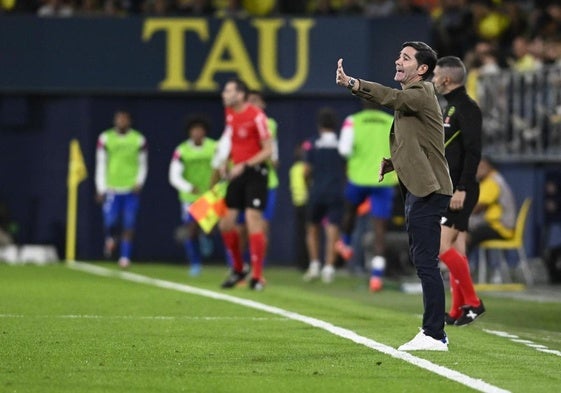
196,55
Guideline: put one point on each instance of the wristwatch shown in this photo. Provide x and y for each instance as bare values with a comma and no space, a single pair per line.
351,83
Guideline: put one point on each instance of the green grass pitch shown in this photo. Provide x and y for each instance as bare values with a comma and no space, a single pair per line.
66,330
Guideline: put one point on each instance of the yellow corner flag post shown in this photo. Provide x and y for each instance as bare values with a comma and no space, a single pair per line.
77,172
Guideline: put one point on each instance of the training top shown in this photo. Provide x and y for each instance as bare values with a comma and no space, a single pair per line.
298,186
121,161
190,168
245,130
273,181
364,142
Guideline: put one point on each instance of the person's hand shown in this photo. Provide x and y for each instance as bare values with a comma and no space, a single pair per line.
385,166
237,170
457,200
340,77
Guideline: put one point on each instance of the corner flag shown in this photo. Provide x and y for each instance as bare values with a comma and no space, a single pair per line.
77,172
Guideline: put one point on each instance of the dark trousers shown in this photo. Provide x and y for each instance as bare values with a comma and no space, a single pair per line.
302,258
422,221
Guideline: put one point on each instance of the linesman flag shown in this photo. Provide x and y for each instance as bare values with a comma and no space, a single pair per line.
210,206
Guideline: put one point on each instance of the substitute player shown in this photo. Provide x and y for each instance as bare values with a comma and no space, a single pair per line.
364,142
121,169
190,173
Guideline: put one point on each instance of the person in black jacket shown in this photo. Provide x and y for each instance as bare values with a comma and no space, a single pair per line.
462,138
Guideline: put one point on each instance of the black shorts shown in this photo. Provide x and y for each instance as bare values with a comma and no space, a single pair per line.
248,190
320,208
459,219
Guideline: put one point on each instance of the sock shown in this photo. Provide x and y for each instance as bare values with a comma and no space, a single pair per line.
457,298
232,243
257,251
378,266
126,247
459,268
192,251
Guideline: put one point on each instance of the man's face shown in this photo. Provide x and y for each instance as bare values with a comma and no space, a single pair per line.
230,95
406,67
197,134
439,80
122,121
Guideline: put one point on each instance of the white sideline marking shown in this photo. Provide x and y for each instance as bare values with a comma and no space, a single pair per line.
528,343
476,384
149,317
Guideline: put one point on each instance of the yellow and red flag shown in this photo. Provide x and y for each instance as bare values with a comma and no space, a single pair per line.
208,209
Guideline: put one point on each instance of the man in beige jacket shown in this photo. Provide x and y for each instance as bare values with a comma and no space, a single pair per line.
417,156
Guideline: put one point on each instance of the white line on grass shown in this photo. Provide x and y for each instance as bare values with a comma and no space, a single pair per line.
528,343
476,384
147,317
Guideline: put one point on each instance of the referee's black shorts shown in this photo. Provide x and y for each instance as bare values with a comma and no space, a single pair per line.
459,219
248,190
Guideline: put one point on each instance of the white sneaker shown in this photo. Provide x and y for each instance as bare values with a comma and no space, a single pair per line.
124,262
327,274
313,271
422,342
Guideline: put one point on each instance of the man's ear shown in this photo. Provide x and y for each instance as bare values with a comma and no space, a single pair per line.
422,69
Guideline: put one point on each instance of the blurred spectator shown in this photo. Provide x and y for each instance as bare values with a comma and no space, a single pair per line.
452,29
552,51
489,21
521,59
323,8
483,60
299,197
194,7
89,8
113,8
378,8
518,21
546,22
428,6
259,7
494,215
156,8
407,7
55,8
230,9
354,7
292,7
7,5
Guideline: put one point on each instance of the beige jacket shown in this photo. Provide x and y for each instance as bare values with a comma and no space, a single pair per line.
417,135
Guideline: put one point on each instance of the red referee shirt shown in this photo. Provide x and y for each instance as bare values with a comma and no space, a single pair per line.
247,129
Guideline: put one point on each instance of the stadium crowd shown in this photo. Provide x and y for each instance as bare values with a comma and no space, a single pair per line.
522,34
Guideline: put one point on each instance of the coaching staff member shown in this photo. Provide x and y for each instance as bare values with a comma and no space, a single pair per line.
417,156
